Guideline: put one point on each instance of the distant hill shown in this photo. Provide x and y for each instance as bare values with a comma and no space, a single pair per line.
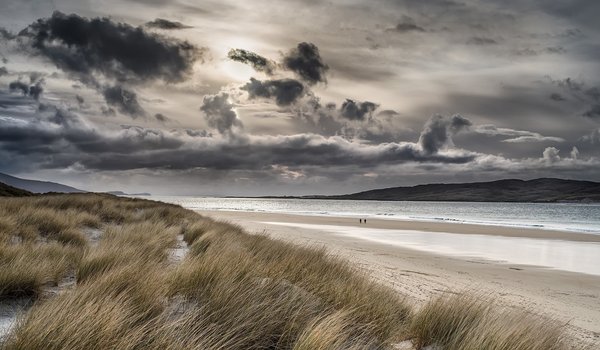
37,186
9,191
512,190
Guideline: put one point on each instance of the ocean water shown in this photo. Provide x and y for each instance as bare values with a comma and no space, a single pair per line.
574,217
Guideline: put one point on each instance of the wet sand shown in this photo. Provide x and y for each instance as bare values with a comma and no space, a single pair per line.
573,298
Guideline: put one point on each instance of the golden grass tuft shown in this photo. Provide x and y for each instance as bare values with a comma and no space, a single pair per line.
71,236
337,330
25,268
465,322
139,243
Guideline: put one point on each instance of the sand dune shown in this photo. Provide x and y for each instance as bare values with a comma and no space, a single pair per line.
571,297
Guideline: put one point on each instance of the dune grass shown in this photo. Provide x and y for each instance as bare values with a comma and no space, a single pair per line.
232,290
466,322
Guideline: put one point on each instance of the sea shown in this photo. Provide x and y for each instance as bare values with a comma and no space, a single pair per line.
566,255
575,217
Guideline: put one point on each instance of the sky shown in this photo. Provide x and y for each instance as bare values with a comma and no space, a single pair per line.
297,97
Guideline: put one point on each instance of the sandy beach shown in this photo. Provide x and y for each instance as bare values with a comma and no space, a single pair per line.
572,298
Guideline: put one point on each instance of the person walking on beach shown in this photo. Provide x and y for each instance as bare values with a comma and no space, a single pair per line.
365,221
360,220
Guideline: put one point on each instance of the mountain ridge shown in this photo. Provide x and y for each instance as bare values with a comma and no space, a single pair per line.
36,186
10,191
540,190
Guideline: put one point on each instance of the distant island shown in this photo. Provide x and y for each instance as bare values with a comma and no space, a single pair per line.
543,190
121,193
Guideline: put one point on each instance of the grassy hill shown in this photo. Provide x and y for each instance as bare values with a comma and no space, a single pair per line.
511,190
36,186
9,191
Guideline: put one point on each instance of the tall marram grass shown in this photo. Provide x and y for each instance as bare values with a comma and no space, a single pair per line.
42,238
232,290
465,322
25,268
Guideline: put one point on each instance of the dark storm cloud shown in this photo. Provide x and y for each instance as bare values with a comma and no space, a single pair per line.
262,154
85,46
588,96
583,13
407,24
108,111
305,60
3,71
162,23
6,35
284,91
219,113
557,50
439,130
34,90
352,121
557,97
593,112
19,85
71,141
258,62
124,100
161,117
481,41
353,110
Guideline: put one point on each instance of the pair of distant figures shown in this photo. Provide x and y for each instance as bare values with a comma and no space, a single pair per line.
362,221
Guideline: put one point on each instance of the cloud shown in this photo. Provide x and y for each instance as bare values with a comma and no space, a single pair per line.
258,62
85,47
557,97
438,131
72,141
57,139
34,90
575,153
6,35
124,100
284,91
3,71
161,23
515,136
557,50
19,85
407,24
357,110
481,41
161,117
219,113
305,60
593,137
550,155
593,112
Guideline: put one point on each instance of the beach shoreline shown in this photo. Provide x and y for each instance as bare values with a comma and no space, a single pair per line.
569,297
416,225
